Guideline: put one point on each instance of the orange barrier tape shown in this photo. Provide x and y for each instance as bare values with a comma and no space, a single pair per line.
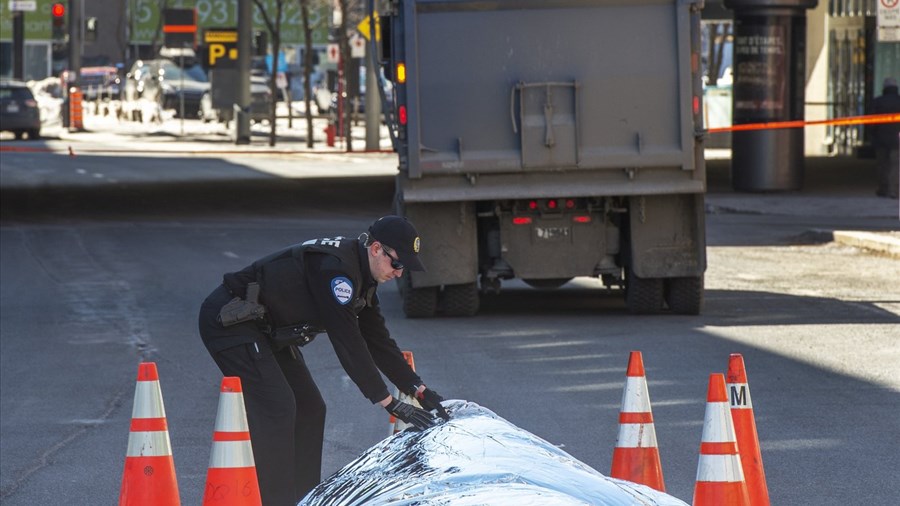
870,119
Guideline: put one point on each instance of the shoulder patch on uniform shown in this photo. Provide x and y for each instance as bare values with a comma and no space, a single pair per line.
342,289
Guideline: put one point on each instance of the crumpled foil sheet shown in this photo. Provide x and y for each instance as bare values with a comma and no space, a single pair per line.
477,458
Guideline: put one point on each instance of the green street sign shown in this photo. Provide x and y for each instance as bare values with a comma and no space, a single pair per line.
144,18
37,22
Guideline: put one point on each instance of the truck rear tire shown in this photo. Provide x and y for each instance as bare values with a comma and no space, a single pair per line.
460,300
684,295
643,295
418,302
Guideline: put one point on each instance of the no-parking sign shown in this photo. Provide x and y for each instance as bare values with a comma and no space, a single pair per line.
888,20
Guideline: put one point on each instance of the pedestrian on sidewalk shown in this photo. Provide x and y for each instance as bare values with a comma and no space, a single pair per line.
255,323
887,140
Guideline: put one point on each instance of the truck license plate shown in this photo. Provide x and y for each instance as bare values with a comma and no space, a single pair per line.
551,233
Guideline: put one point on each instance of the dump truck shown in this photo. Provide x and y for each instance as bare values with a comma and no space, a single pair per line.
544,141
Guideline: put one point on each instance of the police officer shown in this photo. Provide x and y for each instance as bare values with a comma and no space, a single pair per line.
886,140
255,323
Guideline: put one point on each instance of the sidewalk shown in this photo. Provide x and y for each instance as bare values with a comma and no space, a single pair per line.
103,134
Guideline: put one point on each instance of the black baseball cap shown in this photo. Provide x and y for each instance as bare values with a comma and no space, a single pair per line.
397,233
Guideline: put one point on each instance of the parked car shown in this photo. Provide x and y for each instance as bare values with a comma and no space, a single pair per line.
260,102
164,82
100,83
19,112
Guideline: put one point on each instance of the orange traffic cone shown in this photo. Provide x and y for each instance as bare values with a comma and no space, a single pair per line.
149,476
720,479
231,477
636,456
745,430
396,425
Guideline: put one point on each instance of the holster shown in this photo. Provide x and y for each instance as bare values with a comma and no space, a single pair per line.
239,310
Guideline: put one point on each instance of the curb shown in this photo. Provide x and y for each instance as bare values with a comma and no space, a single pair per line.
887,243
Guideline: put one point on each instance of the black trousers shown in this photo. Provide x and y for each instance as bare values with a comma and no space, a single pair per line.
285,410
888,169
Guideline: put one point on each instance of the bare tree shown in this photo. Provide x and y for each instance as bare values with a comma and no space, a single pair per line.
307,69
273,24
344,45
164,4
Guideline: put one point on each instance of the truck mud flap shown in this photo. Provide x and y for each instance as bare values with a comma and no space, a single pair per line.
667,235
449,242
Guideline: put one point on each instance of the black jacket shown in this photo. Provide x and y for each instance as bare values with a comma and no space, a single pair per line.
887,134
327,283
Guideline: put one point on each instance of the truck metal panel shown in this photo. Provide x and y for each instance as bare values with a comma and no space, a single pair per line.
532,86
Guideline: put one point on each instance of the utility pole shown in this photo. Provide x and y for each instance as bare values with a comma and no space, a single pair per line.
245,43
373,85
74,41
19,45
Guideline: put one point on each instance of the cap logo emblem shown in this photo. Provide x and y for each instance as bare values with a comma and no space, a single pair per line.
416,245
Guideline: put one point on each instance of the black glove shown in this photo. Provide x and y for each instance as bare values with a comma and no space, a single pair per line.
418,418
431,401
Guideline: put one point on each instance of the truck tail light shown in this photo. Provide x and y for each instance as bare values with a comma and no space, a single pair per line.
581,219
521,220
401,114
552,204
532,205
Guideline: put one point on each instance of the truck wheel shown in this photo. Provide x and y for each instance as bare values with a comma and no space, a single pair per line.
418,302
685,295
643,295
460,300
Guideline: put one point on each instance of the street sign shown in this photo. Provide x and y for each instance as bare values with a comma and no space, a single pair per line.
222,44
23,5
888,20
333,53
146,14
363,28
357,46
180,27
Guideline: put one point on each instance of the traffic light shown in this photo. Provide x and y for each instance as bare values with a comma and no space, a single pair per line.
90,29
58,11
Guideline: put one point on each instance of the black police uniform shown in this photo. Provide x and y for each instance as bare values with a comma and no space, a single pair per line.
326,283
886,141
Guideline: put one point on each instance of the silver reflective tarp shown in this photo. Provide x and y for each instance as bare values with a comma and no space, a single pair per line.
477,458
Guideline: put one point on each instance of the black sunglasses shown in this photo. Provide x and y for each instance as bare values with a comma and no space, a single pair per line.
395,264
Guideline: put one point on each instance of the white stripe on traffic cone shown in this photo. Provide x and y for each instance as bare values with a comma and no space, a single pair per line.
636,456
720,478
231,478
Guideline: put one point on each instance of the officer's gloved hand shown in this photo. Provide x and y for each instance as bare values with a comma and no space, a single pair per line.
431,401
418,418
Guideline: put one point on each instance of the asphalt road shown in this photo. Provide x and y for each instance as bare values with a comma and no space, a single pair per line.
95,282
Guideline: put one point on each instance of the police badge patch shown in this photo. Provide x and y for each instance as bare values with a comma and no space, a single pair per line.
342,289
